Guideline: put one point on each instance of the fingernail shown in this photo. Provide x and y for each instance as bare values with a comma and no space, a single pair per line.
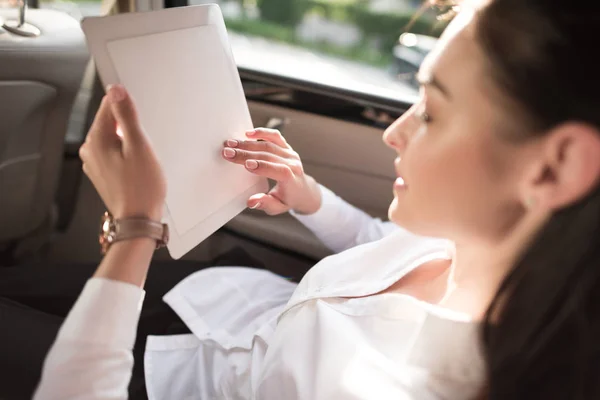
251,164
232,143
116,93
254,207
250,133
229,153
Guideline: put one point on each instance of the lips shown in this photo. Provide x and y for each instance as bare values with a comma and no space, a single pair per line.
400,180
399,183
397,166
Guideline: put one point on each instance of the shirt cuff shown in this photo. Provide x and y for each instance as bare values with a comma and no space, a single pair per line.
328,213
106,313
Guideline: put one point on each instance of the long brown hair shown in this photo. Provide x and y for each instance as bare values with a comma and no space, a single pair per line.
544,342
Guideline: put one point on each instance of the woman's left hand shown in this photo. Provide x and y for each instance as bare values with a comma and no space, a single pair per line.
124,170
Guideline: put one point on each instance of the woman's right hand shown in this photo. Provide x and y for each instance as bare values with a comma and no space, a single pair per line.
268,154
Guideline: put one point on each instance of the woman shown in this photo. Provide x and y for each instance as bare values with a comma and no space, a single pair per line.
501,157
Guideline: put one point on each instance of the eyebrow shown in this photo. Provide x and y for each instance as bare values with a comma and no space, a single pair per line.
426,79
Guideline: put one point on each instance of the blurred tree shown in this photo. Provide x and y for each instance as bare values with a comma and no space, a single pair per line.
242,4
285,12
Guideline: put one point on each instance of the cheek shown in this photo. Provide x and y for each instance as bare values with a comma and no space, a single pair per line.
426,182
451,188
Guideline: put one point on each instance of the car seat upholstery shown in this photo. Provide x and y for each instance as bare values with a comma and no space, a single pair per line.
39,79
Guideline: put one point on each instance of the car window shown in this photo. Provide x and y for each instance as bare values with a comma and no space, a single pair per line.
336,42
372,47
76,8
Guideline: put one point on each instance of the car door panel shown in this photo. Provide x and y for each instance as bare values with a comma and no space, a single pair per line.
341,155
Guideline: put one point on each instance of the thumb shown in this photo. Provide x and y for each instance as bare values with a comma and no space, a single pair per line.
267,203
125,113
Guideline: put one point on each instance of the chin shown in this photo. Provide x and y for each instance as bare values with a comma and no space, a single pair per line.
402,216
394,212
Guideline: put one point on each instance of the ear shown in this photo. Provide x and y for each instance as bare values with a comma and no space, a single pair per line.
568,168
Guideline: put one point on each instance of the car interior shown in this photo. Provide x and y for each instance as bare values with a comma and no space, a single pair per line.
49,211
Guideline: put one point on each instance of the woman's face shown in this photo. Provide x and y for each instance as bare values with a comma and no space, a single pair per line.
459,178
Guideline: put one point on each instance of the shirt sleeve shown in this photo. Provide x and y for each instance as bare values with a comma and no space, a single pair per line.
92,355
341,226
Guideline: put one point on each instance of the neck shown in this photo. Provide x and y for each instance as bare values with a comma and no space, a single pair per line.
478,269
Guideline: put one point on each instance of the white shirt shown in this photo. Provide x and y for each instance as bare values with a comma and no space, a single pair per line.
258,336
91,357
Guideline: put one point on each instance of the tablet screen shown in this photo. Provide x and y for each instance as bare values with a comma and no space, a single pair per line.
187,67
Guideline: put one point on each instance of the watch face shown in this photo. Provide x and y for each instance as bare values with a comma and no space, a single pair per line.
107,232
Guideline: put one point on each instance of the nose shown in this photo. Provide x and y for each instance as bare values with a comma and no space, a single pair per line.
397,135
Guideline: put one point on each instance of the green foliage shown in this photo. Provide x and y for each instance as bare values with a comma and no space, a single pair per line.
388,27
338,10
264,29
269,30
284,12
360,53
279,19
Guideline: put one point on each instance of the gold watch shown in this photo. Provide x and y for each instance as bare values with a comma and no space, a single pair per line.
115,230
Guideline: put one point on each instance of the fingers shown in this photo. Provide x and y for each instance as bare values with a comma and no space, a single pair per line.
104,119
276,171
125,113
85,166
262,146
270,135
239,156
101,140
103,131
267,203
84,154
94,162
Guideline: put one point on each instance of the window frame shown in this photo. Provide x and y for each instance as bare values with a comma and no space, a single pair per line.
385,104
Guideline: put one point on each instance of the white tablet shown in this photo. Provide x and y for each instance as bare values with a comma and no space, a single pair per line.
178,67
